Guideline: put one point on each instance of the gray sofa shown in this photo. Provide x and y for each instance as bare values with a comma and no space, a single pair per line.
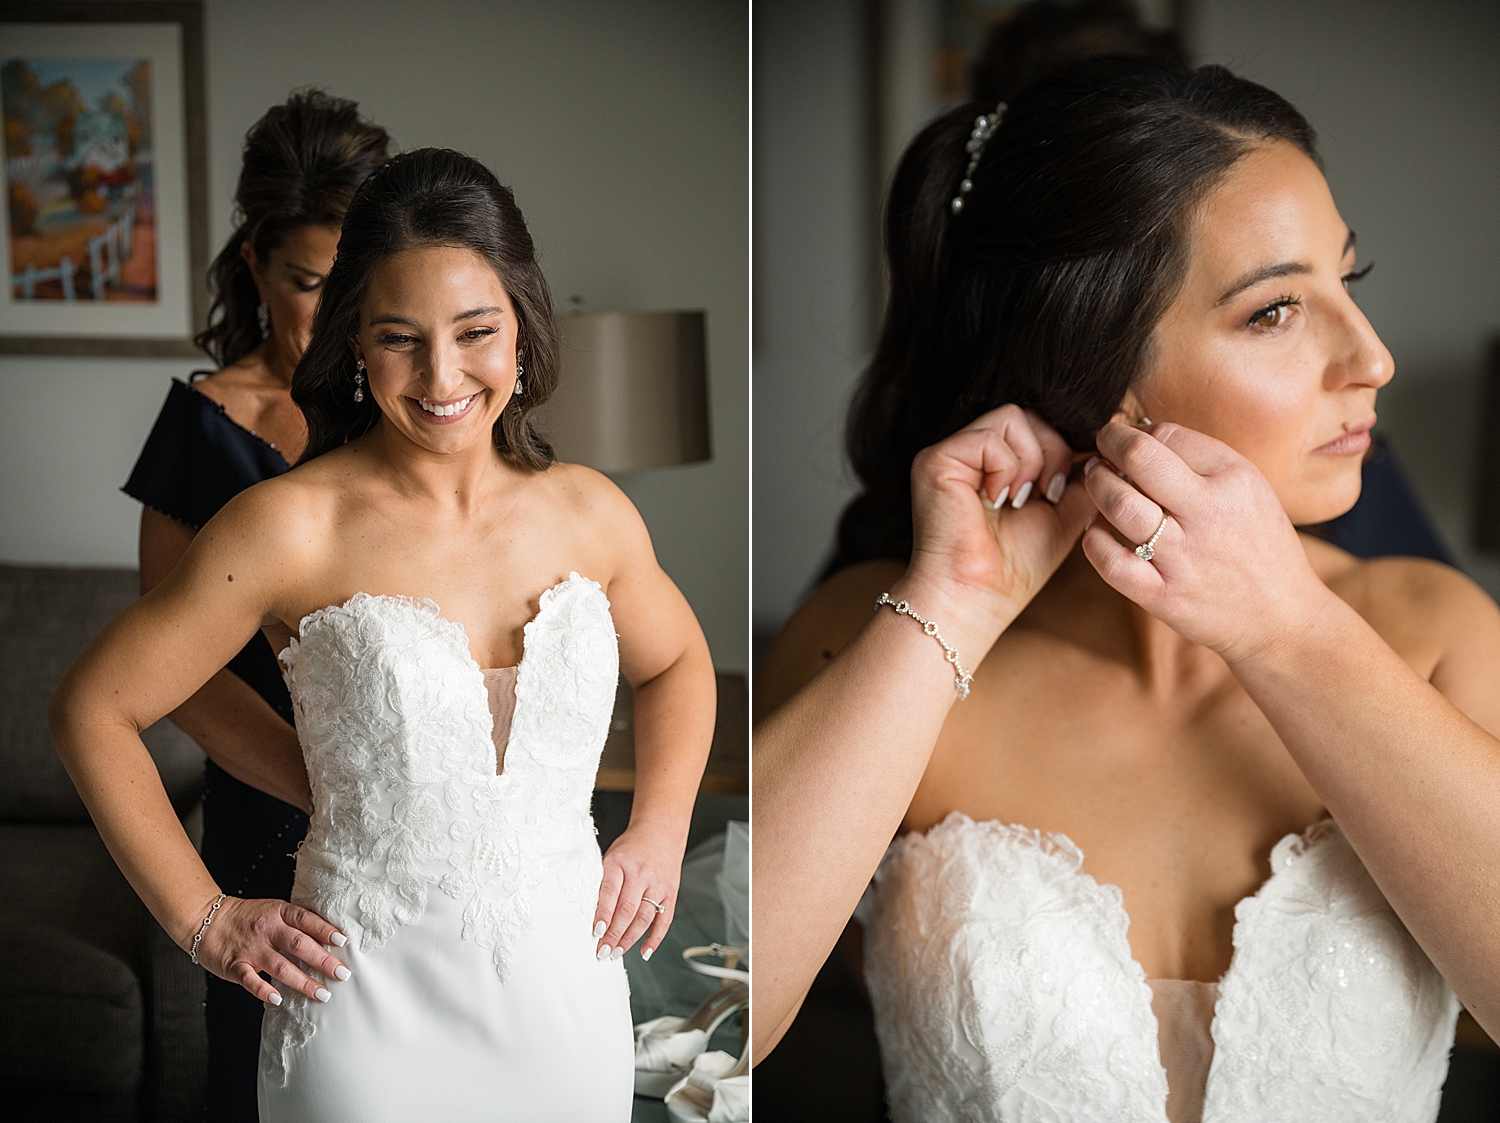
101,1015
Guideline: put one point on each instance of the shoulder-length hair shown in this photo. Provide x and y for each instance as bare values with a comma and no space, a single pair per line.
429,197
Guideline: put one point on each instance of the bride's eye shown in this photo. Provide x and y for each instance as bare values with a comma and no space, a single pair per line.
1358,275
1274,315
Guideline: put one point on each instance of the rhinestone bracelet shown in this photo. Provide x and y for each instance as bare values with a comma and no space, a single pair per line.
202,928
961,677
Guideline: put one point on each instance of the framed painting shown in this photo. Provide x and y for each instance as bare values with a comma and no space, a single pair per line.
104,233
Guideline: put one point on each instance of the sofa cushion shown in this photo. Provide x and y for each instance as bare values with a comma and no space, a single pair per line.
71,1015
47,615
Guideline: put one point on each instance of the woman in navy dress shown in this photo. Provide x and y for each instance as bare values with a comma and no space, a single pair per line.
225,431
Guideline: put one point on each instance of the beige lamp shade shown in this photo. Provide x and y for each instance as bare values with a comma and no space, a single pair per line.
632,392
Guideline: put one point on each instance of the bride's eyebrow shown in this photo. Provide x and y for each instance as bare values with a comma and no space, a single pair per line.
1278,269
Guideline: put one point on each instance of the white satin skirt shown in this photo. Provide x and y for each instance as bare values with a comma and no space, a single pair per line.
425,1029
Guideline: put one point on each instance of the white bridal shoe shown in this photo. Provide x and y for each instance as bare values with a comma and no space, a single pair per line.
666,1047
715,1090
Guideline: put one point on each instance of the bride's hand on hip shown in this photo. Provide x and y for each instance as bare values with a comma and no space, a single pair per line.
993,516
1228,570
248,936
641,872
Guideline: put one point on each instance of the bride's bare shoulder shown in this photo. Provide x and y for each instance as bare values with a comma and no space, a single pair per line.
819,628
1427,611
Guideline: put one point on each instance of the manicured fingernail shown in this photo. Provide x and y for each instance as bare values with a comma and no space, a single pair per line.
342,973
275,999
598,929
321,994
1089,463
646,954
617,953
1022,495
338,939
1056,487
1000,499
603,953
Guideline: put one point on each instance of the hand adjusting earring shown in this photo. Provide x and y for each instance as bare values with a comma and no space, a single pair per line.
359,378
263,317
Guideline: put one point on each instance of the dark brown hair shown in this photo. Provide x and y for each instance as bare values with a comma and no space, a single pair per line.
303,161
1045,289
430,197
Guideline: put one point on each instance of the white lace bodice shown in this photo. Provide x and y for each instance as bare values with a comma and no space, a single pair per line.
394,719
1005,990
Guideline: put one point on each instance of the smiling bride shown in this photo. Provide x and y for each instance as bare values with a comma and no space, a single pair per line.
445,598
1194,816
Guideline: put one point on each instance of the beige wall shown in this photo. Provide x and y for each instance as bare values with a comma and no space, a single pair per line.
622,129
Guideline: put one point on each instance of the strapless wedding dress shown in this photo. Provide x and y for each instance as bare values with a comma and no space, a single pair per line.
467,897
1005,991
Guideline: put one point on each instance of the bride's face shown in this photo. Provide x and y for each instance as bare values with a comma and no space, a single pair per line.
438,335
1264,347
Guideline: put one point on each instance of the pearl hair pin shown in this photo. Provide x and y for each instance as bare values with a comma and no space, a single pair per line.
984,128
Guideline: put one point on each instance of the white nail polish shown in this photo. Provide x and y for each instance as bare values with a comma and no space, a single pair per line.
1000,499
1056,488
322,995
646,954
1022,496
617,953
1092,460
275,999
342,973
603,953
598,929
338,939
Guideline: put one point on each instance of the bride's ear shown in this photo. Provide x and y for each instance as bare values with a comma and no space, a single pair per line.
1132,410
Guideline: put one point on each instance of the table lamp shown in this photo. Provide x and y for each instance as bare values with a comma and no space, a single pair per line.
632,391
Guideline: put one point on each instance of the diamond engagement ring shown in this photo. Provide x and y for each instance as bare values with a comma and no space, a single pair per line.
1147,549
657,905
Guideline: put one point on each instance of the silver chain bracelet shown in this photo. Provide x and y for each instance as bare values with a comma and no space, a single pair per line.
202,928
961,677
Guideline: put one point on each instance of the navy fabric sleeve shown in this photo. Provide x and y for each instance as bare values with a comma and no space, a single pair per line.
197,459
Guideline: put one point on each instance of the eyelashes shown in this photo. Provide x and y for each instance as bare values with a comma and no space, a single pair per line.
1279,306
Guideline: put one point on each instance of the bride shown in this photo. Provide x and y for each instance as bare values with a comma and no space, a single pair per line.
1211,829
445,598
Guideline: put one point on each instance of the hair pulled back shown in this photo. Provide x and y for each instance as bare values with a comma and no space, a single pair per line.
303,161
1044,291
429,197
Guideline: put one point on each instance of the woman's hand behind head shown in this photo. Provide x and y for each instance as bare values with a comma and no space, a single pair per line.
993,516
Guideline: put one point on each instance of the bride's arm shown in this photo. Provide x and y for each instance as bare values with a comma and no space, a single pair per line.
665,658
234,726
837,763
1409,769
140,667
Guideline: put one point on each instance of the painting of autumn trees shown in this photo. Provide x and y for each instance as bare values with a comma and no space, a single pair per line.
78,179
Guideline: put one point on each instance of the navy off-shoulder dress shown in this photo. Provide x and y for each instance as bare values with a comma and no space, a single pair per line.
196,460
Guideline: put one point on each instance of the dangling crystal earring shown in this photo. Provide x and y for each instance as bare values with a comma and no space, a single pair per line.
359,378
520,370
263,314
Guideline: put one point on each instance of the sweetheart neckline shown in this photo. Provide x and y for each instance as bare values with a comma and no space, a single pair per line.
1057,845
427,605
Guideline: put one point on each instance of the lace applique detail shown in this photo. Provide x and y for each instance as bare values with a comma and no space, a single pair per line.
395,726
1004,990
1331,1011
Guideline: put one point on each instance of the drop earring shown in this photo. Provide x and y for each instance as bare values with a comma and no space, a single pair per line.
263,316
359,378
520,370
